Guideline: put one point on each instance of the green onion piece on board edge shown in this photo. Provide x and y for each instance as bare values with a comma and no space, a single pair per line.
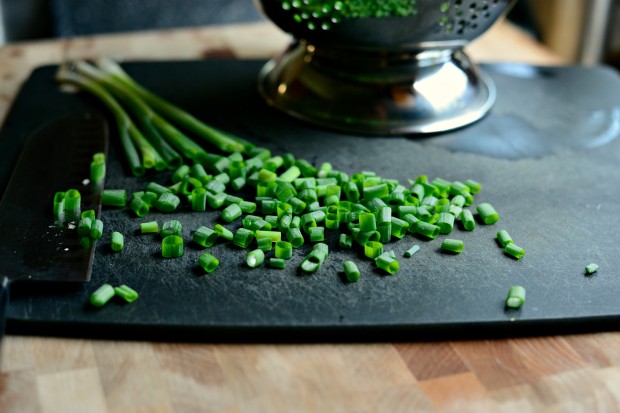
516,297
96,231
102,295
114,197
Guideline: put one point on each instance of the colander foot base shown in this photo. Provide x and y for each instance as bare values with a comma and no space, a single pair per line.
378,93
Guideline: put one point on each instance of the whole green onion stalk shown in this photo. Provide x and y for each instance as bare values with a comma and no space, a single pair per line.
221,140
130,136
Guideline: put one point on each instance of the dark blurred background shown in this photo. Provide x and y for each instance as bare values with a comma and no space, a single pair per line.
582,31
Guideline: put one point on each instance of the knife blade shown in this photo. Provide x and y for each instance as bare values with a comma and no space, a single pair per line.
55,158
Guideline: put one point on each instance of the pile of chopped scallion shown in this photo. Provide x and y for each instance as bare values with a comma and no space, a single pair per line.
293,202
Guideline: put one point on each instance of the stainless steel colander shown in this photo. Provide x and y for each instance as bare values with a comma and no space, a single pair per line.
380,66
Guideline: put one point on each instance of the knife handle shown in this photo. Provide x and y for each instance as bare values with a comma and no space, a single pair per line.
4,304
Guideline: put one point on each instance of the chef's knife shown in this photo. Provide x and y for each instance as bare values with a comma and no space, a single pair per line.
55,158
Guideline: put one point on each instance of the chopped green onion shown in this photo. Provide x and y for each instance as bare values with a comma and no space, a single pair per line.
208,262
324,169
278,263
387,263
118,241
376,191
332,218
373,249
412,221
409,253
172,227
167,202
306,168
516,297
243,237
351,191
385,232
216,201
205,237
297,204
198,172
149,227
308,221
427,230
445,223
317,234
273,163
188,184
591,268
139,207
224,232
363,237
221,180
199,200
215,186
487,213
514,251
367,222
97,169
455,210
503,238
126,293
114,197
264,244
156,188
290,174
315,258
172,246
89,213
102,295
452,245
467,219
351,271
273,236
72,204
255,258
474,187
399,227
84,226
345,241
59,207
231,212
295,237
96,230
284,250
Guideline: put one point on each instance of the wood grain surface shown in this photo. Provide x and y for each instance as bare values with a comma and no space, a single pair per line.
575,373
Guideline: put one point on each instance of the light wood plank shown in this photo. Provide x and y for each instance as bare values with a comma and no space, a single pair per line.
71,391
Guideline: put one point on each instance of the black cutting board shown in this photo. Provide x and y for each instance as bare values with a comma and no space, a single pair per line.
547,156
